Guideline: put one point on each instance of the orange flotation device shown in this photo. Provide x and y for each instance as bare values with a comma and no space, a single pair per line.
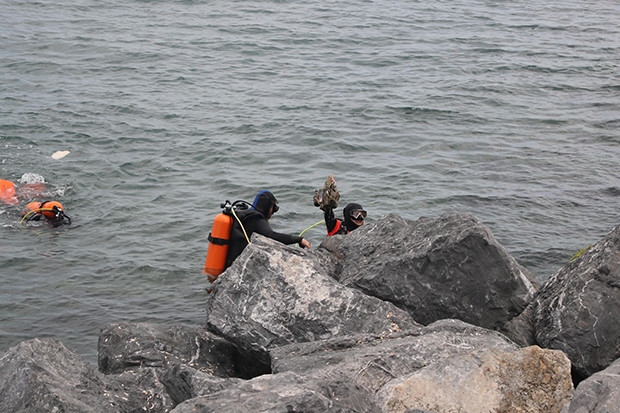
7,192
219,238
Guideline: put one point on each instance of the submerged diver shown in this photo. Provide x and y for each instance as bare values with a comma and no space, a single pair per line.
327,198
52,211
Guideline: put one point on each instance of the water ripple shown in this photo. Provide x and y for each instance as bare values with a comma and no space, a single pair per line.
169,107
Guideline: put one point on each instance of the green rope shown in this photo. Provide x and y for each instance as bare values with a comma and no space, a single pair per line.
310,227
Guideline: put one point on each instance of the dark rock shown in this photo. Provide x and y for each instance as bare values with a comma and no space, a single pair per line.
449,267
275,295
183,382
280,393
521,328
577,309
42,375
125,346
599,393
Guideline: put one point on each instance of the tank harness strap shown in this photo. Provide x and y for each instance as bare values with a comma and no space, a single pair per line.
335,229
218,241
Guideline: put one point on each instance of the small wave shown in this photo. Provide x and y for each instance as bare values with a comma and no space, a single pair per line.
31,178
410,110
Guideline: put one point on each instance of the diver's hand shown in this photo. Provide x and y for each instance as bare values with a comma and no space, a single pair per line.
304,243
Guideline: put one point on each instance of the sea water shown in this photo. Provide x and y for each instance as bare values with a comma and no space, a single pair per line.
507,110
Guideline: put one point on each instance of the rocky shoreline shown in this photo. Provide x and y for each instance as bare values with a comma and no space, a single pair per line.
431,315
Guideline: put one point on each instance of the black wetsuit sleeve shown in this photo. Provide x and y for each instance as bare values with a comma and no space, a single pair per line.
330,220
262,226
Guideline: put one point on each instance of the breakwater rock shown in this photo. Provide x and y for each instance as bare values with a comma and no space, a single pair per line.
431,315
576,310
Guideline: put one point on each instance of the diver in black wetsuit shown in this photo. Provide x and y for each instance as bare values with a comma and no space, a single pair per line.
353,214
256,219
326,199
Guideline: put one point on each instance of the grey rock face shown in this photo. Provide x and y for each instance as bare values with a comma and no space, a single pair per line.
489,380
448,366
275,295
372,361
449,267
599,393
183,382
42,375
577,309
286,392
124,346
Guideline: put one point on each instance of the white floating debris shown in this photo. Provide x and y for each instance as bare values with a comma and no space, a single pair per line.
60,154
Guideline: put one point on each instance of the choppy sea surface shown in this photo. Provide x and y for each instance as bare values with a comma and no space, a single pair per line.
508,110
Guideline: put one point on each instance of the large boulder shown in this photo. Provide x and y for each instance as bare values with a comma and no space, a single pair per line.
599,393
521,328
529,379
437,268
286,392
446,367
183,382
372,361
126,346
42,375
577,309
275,295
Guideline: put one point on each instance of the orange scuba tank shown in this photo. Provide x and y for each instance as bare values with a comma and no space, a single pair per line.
32,211
49,209
53,211
219,238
